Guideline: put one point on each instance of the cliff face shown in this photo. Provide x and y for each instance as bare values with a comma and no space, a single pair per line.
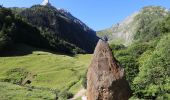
105,77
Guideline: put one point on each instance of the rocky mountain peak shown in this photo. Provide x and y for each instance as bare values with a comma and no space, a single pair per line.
105,77
45,3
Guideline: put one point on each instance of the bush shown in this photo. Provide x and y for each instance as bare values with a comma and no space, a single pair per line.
128,58
16,75
117,47
153,79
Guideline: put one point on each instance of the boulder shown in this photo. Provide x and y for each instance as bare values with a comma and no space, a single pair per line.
105,77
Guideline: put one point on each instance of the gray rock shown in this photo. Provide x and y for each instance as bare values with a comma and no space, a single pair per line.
105,77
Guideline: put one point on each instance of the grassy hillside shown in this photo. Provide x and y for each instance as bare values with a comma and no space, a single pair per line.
15,92
54,71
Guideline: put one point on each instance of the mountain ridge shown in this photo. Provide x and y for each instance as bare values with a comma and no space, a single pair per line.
124,32
54,29
62,24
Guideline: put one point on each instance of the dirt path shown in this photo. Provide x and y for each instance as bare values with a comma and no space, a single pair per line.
79,94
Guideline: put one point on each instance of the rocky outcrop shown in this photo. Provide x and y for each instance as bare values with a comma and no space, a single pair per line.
105,77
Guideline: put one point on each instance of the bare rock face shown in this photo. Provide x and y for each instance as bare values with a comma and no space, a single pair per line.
105,77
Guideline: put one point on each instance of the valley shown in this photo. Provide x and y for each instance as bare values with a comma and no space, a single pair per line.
45,54
53,71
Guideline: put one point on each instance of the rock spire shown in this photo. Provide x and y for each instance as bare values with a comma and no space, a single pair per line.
105,77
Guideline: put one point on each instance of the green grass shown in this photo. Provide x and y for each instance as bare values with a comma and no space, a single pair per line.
10,91
53,71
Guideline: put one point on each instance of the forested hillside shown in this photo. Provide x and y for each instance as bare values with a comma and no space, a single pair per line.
14,30
44,27
146,61
59,26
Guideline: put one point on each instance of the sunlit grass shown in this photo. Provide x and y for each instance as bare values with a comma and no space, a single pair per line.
53,71
10,91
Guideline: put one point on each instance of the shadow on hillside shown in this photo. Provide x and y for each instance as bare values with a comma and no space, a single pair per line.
22,50
17,50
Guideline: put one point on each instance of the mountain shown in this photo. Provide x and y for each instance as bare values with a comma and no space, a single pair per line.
59,24
145,57
135,26
14,30
37,41
45,27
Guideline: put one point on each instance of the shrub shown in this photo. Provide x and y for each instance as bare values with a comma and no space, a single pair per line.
153,79
128,58
16,75
117,47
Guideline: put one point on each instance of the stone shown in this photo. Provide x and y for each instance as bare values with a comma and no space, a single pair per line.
105,77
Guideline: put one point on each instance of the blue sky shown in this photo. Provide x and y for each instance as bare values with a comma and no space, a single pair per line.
97,14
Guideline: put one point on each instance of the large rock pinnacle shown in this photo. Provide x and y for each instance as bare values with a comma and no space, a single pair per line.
105,77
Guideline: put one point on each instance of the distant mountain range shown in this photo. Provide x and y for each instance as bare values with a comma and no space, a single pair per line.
127,30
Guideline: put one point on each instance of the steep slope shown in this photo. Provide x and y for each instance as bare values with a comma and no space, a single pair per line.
45,27
121,32
59,24
14,30
132,28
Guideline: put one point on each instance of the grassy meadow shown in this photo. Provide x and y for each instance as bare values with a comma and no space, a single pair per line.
53,71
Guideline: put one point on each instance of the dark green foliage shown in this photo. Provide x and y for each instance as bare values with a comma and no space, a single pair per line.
131,67
147,68
152,59
43,34
128,58
5,41
166,25
16,76
117,46
14,30
61,30
150,23
6,18
154,77
150,31
152,81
